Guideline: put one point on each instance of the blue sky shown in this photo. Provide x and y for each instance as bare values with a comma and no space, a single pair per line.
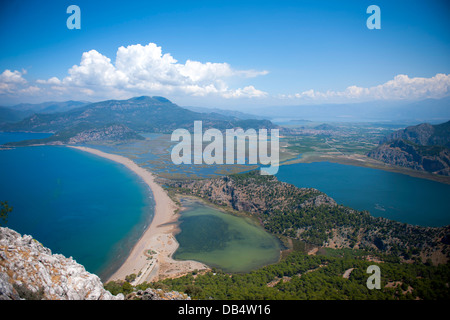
259,52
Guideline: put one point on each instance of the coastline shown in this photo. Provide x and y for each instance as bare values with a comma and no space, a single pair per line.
366,162
151,257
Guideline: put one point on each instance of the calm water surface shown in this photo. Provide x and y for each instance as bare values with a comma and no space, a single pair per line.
385,194
218,239
75,203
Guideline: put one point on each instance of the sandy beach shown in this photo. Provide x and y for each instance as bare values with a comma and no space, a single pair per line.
151,257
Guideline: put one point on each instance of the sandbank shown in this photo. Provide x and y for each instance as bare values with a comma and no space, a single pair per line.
151,257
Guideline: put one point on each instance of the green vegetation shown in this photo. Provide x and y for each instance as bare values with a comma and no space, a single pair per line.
116,287
130,277
306,217
4,211
141,114
85,132
27,294
300,276
342,138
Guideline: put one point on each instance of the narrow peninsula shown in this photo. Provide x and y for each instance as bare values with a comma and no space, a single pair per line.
151,257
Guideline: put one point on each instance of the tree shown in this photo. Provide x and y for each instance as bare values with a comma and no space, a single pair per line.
4,211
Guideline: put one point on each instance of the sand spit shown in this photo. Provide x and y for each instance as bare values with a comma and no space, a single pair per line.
151,258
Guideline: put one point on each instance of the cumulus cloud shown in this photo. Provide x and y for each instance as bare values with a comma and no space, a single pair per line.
15,76
140,69
249,91
147,70
10,81
13,82
399,88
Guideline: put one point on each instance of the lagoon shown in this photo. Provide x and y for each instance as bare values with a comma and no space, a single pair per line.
222,240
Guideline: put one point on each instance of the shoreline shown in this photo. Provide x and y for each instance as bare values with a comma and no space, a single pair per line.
365,162
151,257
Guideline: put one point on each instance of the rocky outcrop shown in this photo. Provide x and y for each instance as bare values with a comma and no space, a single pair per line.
423,147
157,294
403,153
28,270
423,134
254,195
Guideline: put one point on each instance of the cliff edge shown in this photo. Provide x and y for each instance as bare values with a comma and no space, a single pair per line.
30,271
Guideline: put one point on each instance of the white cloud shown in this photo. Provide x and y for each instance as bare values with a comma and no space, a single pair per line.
15,76
146,70
249,91
95,69
13,83
52,80
401,87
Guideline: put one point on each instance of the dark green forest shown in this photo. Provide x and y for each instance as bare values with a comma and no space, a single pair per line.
308,277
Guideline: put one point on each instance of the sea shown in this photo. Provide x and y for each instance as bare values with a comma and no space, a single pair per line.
75,203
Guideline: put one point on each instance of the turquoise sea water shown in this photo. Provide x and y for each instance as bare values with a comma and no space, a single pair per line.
384,194
75,203
19,136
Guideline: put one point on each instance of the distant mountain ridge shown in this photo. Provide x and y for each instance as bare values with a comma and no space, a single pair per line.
11,115
149,114
21,111
49,107
423,147
428,110
232,113
139,114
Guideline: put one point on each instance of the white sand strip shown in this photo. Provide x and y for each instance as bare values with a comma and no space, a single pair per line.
158,237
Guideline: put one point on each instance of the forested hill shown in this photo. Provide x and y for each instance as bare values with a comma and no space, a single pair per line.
141,114
82,133
310,215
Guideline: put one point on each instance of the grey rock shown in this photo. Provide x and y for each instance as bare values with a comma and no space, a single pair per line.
26,264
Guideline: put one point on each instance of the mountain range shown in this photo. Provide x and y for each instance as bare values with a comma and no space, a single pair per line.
407,112
423,147
49,107
232,113
21,111
139,114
